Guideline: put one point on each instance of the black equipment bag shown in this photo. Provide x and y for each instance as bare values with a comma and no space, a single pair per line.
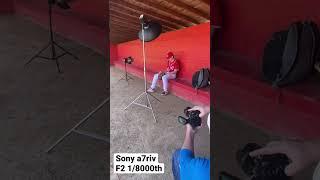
289,56
201,78
272,57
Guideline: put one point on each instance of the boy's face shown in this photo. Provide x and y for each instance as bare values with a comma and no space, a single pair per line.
172,59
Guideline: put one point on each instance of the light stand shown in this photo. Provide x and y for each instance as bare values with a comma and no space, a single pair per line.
52,44
144,93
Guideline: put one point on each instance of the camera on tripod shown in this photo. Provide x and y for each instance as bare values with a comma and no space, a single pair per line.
128,60
263,167
193,118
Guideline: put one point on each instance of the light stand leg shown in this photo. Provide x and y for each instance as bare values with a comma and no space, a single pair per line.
74,128
134,100
148,104
37,55
66,51
154,117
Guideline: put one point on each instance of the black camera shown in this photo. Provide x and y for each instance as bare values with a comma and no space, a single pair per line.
264,167
193,118
128,60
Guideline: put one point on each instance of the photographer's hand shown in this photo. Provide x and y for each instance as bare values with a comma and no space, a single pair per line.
301,154
204,110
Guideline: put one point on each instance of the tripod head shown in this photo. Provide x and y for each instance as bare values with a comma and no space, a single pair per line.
128,60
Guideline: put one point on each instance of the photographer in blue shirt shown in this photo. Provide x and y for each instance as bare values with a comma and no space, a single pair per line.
185,166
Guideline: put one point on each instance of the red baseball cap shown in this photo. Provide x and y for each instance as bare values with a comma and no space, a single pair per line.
170,55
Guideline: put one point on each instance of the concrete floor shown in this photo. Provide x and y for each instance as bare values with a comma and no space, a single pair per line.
134,130
230,134
38,105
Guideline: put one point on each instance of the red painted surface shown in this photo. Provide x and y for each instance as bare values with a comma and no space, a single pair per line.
247,25
113,53
84,23
6,7
191,47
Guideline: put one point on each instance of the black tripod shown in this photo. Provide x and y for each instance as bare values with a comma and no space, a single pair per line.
53,45
126,76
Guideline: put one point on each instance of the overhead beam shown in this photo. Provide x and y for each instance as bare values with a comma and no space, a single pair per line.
125,23
135,18
112,24
136,9
160,7
181,4
134,21
207,2
123,30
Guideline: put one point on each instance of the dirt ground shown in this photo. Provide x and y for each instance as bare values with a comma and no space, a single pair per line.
38,105
134,130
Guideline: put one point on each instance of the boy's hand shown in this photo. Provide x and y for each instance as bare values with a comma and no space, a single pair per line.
160,75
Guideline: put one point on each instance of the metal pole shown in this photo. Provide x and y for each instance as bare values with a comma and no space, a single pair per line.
144,60
125,67
53,50
50,23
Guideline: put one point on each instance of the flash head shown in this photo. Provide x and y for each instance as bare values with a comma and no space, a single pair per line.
128,60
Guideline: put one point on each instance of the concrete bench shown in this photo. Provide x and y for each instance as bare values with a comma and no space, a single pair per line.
178,87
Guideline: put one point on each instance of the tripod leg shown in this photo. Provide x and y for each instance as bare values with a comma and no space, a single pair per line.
58,65
154,97
63,49
154,117
54,55
37,55
134,100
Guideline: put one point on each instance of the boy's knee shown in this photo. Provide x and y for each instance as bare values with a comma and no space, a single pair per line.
164,77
